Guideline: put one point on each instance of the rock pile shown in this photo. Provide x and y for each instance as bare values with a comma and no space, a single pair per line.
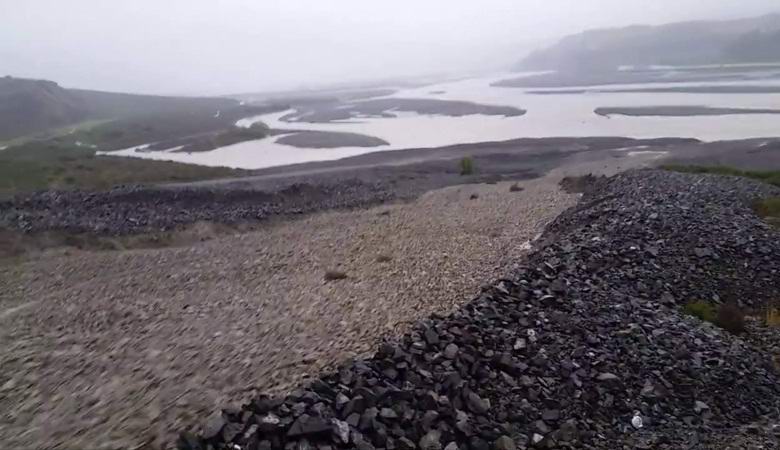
584,348
127,210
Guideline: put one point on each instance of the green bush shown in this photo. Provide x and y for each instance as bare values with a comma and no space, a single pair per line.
466,166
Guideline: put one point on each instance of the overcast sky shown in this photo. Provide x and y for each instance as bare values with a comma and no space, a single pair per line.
229,46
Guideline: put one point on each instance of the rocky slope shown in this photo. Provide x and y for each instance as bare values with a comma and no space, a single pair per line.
586,347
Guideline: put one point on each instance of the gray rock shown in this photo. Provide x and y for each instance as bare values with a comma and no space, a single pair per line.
213,426
451,351
606,376
341,431
477,404
504,443
431,441
388,413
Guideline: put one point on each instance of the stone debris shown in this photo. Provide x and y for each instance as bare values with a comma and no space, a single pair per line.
588,333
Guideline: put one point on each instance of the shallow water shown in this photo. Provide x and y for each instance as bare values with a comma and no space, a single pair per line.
559,115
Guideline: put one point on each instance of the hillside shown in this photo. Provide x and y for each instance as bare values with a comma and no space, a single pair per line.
30,106
702,42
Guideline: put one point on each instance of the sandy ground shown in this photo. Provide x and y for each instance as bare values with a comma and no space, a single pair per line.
122,349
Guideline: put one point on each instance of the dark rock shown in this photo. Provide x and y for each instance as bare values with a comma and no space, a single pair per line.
551,415
306,425
189,441
431,337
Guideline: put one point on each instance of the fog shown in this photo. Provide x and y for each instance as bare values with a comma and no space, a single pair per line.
231,46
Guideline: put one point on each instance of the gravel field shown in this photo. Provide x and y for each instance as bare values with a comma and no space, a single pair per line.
585,347
119,349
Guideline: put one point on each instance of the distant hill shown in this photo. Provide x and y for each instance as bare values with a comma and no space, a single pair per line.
752,40
29,106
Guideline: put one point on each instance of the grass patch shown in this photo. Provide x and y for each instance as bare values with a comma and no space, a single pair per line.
769,176
769,209
772,318
727,316
48,165
702,310
466,166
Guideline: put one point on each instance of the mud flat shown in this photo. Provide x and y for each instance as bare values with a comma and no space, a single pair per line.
679,111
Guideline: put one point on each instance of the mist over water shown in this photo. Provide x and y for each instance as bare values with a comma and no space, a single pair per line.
200,47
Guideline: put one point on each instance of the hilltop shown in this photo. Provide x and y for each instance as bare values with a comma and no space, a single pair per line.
752,40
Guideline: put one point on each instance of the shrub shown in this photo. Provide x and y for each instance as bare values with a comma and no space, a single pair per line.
702,310
515,188
474,196
466,166
331,275
731,318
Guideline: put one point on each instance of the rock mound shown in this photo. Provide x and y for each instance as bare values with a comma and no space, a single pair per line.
584,348
136,209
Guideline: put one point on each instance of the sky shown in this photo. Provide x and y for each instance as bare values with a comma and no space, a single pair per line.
210,47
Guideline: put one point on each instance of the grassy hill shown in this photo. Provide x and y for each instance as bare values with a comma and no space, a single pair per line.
753,40
32,106
52,135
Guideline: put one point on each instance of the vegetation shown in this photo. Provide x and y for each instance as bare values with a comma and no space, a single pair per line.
466,166
772,317
769,209
49,165
383,259
31,106
727,316
231,136
702,310
515,188
771,177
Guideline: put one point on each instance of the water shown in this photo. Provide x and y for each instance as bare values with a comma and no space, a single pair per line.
547,116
